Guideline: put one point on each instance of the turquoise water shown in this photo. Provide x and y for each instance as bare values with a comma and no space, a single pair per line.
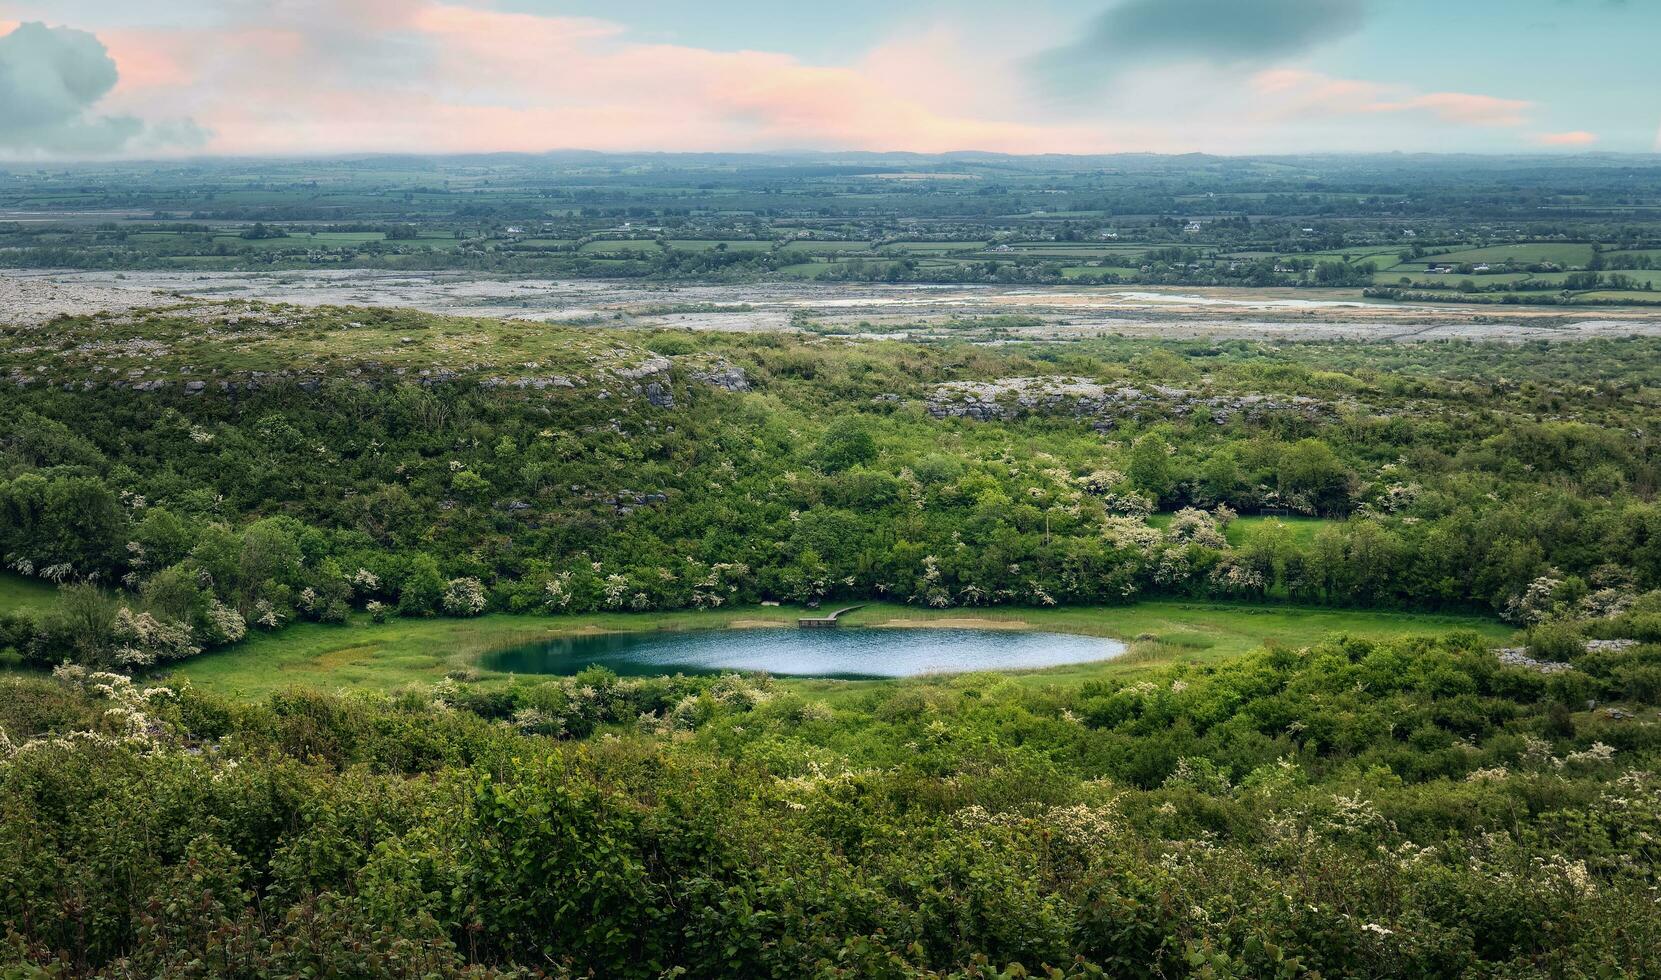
844,652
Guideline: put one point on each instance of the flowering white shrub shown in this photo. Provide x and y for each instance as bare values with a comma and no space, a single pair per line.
224,624
464,597
1397,497
142,640
716,583
1193,526
363,581
1128,503
556,592
1606,603
616,590
1131,534
932,588
127,722
1597,755
1536,603
1232,575
1173,567
266,615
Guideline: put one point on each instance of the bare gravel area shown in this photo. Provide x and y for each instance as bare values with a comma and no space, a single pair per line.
888,310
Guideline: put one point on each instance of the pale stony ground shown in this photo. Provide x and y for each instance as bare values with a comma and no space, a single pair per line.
884,310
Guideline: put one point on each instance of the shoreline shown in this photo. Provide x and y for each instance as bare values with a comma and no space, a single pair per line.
403,652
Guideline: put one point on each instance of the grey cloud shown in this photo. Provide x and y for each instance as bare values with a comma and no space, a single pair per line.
1225,33
51,79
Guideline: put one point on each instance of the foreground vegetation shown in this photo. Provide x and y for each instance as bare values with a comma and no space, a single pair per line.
1401,808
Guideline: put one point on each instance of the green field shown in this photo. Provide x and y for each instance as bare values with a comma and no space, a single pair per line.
806,248
17,592
1622,295
1562,253
705,245
937,247
1302,529
806,270
365,655
614,246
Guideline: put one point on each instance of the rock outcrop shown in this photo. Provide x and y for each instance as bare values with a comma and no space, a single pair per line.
1010,398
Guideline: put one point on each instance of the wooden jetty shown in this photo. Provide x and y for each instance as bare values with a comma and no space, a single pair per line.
824,622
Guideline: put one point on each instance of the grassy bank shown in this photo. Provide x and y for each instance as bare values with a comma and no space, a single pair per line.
385,656
18,592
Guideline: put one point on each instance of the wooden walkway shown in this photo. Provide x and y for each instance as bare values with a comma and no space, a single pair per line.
824,622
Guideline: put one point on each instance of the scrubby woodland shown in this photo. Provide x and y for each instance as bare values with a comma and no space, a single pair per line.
1405,808
301,465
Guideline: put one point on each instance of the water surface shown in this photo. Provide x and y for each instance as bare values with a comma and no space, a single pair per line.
843,652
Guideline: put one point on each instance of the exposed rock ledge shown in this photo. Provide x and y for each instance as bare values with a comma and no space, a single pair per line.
1009,398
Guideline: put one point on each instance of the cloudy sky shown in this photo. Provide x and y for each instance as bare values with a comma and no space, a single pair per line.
146,78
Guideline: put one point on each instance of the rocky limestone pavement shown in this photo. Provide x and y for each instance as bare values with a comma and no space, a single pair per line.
1010,398
650,379
1518,656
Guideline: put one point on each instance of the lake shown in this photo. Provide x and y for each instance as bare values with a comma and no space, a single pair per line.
850,653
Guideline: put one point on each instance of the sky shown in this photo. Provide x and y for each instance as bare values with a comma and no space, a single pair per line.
84,79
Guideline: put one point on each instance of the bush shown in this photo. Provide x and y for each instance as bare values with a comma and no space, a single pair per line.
464,597
1558,641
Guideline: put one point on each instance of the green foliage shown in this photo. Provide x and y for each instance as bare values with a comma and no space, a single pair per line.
1408,808
846,444
1407,476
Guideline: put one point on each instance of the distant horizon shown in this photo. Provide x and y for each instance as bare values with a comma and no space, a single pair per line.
787,154
110,79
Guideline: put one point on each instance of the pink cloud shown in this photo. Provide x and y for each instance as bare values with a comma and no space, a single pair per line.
460,78
1313,88
1309,93
1463,108
1578,137
311,76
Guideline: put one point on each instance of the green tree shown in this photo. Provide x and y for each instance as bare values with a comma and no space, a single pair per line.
1151,468
847,443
